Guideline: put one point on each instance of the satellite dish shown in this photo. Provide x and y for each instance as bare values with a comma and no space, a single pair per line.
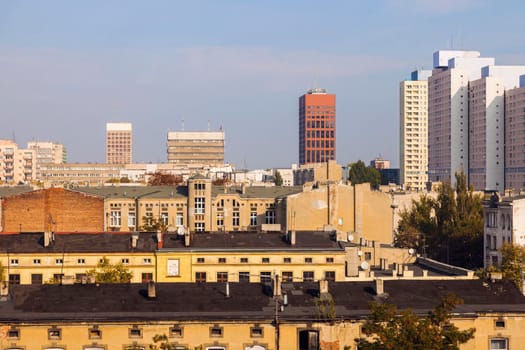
411,251
364,265
180,231
350,237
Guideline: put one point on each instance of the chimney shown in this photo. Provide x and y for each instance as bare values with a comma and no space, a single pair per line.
323,287
159,240
227,289
186,239
292,238
152,293
276,286
48,238
134,239
4,290
379,284
243,188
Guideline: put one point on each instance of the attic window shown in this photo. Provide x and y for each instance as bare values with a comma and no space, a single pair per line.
216,331
94,333
256,332
176,331
499,323
135,332
13,334
54,333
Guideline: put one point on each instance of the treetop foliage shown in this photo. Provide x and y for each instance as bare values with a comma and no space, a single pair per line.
162,179
387,328
360,173
105,272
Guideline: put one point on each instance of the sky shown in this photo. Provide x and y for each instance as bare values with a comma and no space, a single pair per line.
69,67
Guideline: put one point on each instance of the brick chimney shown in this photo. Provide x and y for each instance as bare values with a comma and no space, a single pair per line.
276,286
186,239
159,240
292,238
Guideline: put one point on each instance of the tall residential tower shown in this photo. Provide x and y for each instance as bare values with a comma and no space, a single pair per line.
413,121
119,143
317,127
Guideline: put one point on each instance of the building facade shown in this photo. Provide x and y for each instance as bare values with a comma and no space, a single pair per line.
16,165
119,143
201,147
413,114
317,127
514,141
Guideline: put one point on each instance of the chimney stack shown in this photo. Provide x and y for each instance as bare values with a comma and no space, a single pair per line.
276,286
186,239
243,188
323,287
227,289
292,238
159,240
152,293
379,284
48,238
134,239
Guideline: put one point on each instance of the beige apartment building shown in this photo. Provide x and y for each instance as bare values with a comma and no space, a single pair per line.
78,174
47,152
413,117
119,143
514,141
16,165
203,147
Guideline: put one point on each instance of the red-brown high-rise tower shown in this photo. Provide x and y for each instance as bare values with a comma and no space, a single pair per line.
316,126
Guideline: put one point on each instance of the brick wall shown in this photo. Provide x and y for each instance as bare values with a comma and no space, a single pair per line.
53,209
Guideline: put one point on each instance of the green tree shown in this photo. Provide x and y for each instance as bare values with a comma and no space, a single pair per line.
278,179
450,226
360,173
152,224
105,272
387,328
513,263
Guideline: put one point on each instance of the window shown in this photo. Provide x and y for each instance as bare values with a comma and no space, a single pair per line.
147,261
57,277
36,261
176,331
132,217
222,260
499,324
94,333
329,260
368,256
329,275
14,278
309,340
36,278
135,332
59,261
13,334
499,344
125,261
266,277
253,218
287,276
200,260
222,276
235,218
199,227
308,260
200,277
265,260
164,216
287,260
244,260
115,218
269,217
244,276
147,276
54,333
216,331
200,203
256,332
179,220
199,186
13,262
308,276
220,219
81,261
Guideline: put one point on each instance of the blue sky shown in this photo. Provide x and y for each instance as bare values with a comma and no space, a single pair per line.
68,67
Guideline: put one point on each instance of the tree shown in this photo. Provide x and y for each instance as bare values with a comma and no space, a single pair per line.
450,226
513,263
387,328
161,179
152,224
278,179
105,272
360,173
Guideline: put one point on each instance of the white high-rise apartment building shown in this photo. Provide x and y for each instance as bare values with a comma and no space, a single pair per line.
487,126
16,165
119,143
515,137
413,137
448,111
48,152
